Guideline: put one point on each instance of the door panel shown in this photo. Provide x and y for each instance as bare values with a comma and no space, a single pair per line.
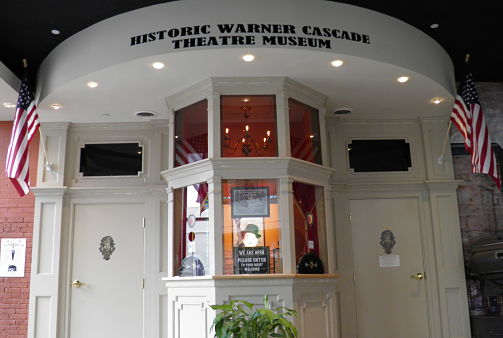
110,302
390,303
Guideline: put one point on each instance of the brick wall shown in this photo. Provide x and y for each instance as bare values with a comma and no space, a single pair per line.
480,202
16,221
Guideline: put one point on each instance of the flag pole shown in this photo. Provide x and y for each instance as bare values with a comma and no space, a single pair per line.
441,157
48,166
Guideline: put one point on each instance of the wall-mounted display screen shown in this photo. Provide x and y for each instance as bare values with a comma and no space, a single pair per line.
379,155
111,159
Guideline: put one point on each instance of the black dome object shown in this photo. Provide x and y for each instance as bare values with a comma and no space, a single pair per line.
310,264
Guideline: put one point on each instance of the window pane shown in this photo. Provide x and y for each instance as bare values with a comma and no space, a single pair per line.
248,126
191,230
251,227
309,221
191,133
304,132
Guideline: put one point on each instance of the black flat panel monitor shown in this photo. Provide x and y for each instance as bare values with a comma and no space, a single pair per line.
379,155
111,159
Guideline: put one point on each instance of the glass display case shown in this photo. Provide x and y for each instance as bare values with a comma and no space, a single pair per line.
258,207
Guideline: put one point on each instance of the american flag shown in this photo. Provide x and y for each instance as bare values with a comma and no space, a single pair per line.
191,150
25,125
468,117
305,149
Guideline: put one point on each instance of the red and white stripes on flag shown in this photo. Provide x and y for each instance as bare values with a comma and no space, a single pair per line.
304,148
25,125
192,150
468,117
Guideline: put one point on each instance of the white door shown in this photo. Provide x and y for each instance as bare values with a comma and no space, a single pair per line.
390,303
109,302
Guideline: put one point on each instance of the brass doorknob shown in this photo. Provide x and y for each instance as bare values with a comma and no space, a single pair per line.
418,276
77,284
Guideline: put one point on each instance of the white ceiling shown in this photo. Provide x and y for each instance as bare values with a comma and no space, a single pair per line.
368,87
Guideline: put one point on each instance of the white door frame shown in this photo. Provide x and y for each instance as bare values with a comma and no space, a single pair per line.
442,253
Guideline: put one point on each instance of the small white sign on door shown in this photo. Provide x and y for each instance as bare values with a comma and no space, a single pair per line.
12,257
389,261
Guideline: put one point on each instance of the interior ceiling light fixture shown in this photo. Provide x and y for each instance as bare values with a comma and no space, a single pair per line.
403,79
434,25
56,106
248,58
437,100
92,84
337,63
158,65
55,32
9,105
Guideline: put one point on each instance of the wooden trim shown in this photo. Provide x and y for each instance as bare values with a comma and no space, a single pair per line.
260,276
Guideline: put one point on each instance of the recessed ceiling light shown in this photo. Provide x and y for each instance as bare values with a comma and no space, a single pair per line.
158,65
9,105
403,79
248,58
56,106
337,63
92,84
437,100
434,25
55,32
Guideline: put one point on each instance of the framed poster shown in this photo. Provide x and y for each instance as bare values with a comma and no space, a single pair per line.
242,226
12,257
250,202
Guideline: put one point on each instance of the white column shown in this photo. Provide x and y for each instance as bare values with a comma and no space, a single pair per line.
216,254
45,268
330,227
171,138
286,224
171,229
282,119
45,291
323,137
214,139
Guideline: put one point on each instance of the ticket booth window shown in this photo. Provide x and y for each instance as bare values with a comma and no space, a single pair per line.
309,221
304,132
248,126
191,231
251,233
191,133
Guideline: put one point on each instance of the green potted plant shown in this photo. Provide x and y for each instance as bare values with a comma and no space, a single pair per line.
238,319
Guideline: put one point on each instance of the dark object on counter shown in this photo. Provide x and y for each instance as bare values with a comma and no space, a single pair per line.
310,264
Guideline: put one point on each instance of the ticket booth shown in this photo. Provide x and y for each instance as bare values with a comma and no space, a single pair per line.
249,202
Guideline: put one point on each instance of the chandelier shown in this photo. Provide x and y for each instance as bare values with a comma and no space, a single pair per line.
247,143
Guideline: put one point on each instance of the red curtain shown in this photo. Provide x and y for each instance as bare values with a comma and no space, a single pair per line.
305,195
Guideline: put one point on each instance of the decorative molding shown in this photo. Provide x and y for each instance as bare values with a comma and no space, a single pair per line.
52,191
118,126
244,168
149,190
55,125
195,93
